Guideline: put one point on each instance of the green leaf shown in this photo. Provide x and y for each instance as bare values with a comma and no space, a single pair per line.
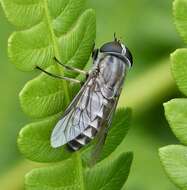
34,141
63,176
43,96
180,13
179,69
38,44
176,114
23,14
70,175
174,157
51,28
174,161
110,174
74,46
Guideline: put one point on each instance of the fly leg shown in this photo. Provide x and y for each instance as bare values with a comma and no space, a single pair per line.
71,68
60,77
95,52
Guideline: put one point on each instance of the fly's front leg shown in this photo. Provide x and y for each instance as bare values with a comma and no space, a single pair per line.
71,68
60,77
95,53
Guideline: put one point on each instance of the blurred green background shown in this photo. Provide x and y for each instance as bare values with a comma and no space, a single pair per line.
148,29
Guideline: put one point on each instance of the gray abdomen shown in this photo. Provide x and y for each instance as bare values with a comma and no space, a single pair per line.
91,131
108,84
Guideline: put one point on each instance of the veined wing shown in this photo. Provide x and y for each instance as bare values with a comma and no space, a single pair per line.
80,114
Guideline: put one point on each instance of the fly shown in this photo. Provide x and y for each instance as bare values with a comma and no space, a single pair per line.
91,111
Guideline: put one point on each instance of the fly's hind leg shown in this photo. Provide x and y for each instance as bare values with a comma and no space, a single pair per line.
60,77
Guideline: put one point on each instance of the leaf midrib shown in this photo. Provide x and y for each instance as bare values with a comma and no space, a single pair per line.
56,48
80,170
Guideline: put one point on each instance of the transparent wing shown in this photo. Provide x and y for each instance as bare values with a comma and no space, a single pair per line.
81,113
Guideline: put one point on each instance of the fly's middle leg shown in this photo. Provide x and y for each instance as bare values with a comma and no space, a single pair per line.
71,68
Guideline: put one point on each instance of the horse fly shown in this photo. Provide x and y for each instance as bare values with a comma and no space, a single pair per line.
91,111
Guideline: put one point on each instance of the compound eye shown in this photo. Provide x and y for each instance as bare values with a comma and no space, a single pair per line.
111,47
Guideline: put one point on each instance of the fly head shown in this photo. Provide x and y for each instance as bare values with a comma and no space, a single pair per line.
119,50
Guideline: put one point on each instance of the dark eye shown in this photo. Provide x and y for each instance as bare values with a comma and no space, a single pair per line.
111,47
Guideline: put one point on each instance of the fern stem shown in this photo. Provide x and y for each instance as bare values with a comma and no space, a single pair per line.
56,49
80,169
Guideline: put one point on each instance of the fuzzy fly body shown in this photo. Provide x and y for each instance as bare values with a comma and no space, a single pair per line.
91,111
